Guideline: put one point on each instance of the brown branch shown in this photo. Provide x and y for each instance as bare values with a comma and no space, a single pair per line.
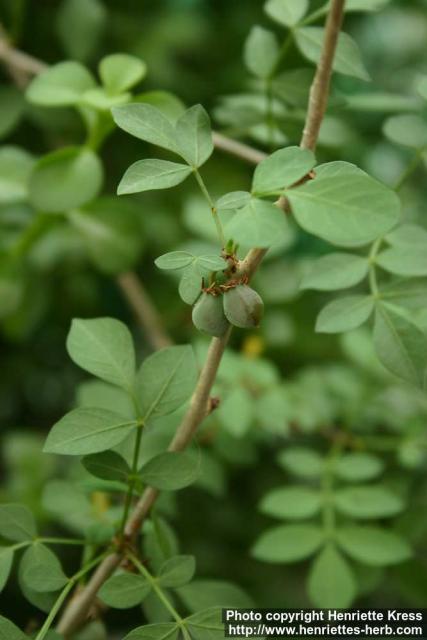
17,61
238,149
148,316
319,91
78,608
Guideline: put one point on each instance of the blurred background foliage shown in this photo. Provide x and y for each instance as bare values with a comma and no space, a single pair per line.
193,49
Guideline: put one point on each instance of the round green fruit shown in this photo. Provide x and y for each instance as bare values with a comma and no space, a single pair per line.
208,315
243,307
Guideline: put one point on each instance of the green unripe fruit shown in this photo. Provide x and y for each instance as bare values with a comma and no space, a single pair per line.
208,315
243,307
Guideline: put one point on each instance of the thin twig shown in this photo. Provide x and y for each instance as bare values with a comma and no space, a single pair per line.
238,149
151,321
319,91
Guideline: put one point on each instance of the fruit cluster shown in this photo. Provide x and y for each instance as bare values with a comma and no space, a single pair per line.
235,303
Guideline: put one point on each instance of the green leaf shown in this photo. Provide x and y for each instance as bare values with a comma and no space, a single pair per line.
162,631
147,175
335,271
177,571
404,260
304,463
168,103
95,393
368,502
365,5
233,200
6,561
103,347
409,294
17,523
101,100
9,631
348,210
124,590
12,107
60,85
373,546
194,137
409,130
258,224
235,412
170,471
400,345
288,543
261,52
422,87
120,71
202,594
42,570
146,123
336,169
286,12
80,25
360,5
15,170
107,465
84,431
166,380
347,58
344,314
210,263
408,235
357,467
291,503
112,232
206,624
190,285
174,260
282,169
65,179
331,582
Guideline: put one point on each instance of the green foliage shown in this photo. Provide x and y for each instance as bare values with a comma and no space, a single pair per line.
349,210
124,590
165,381
347,59
63,85
170,471
346,413
120,72
104,348
84,431
65,179
332,580
42,571
17,523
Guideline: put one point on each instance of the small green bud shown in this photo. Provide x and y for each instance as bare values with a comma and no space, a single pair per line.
208,315
243,307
